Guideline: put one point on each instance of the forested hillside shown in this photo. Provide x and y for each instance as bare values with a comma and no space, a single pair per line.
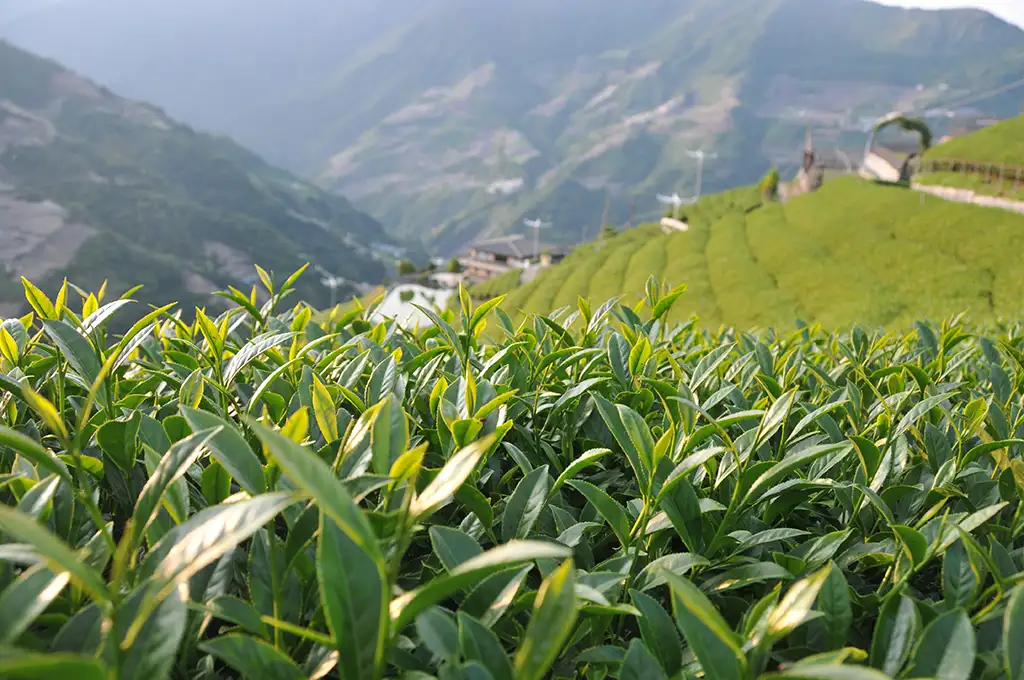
95,187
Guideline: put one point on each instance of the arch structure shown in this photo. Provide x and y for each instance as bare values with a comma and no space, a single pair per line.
887,165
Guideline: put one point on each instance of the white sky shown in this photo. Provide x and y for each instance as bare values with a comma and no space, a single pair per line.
1011,10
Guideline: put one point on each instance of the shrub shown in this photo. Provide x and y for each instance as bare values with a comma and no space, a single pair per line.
406,267
453,266
406,295
770,185
262,494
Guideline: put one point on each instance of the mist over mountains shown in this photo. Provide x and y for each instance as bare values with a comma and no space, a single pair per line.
450,120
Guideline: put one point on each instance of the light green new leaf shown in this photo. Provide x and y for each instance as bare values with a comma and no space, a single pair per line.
587,459
789,464
714,644
191,392
796,604
554,614
250,351
34,452
828,672
454,473
324,411
389,435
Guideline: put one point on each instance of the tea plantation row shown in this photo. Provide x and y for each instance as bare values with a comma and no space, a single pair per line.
596,493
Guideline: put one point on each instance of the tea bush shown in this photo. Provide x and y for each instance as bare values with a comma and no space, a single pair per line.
594,493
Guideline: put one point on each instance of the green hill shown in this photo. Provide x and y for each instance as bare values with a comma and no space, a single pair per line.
999,143
95,187
1002,143
854,252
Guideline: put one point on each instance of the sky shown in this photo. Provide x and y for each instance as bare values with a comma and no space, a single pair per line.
1011,10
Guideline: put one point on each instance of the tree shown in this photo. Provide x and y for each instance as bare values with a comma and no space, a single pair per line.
406,267
770,185
453,266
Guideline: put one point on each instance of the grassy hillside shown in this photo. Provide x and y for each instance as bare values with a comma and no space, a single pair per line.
95,187
1000,143
854,252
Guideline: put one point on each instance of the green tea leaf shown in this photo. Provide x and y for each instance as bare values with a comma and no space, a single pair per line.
253,658
658,632
455,472
608,508
895,632
407,606
314,476
554,614
51,666
26,598
230,449
946,648
524,506
639,664
1013,632
60,558
353,590
714,644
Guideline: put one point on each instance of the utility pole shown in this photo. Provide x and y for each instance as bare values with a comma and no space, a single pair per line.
332,282
536,225
700,155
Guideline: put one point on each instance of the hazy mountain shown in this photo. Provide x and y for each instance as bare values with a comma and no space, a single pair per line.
454,118
94,187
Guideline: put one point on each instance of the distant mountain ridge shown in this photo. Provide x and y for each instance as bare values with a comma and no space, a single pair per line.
94,187
457,119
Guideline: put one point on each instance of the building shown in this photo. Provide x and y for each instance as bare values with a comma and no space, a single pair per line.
493,257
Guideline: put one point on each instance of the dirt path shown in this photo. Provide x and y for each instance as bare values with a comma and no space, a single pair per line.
968,196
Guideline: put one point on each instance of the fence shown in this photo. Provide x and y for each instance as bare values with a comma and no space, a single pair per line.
1002,173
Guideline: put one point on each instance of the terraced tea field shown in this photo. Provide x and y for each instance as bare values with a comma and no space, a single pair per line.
854,252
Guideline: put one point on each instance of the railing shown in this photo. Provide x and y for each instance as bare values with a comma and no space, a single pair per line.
992,172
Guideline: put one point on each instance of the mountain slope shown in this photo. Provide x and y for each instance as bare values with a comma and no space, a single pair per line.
1000,143
97,187
461,117
854,252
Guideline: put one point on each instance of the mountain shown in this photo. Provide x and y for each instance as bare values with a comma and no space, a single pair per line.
852,253
94,187
454,119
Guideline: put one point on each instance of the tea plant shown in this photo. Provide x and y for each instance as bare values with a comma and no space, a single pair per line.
595,493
